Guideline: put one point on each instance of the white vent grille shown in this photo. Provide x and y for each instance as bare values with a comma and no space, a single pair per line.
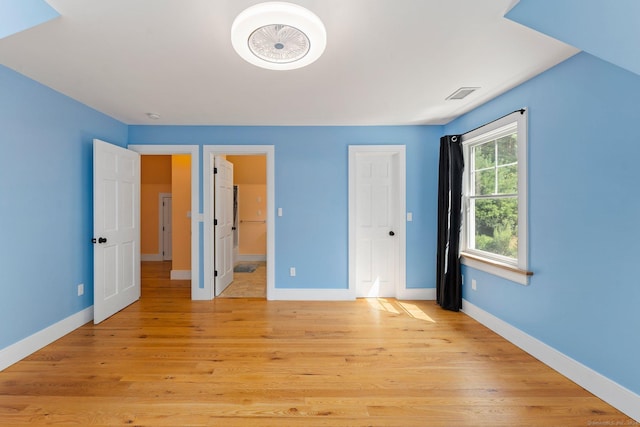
462,93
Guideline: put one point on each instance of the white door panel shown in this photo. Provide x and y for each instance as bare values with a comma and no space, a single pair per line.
223,224
376,247
377,217
116,207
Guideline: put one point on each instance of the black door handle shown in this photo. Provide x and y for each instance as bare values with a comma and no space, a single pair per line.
100,240
391,233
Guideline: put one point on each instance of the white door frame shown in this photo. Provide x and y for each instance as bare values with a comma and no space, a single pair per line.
208,152
197,293
401,170
161,223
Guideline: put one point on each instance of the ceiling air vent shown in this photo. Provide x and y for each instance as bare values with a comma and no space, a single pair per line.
461,93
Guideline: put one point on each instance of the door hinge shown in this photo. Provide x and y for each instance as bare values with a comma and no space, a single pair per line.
215,170
215,222
215,273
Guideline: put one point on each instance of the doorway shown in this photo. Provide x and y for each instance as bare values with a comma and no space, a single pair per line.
377,227
247,208
262,215
165,206
191,213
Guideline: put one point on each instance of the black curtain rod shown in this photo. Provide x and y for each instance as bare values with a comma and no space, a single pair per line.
522,110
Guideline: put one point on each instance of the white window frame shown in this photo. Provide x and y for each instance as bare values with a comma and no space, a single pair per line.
514,270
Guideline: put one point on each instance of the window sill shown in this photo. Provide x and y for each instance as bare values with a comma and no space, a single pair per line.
496,268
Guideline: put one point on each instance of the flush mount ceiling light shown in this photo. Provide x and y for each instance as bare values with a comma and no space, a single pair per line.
278,36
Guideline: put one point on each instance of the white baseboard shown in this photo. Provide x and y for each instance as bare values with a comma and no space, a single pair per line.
611,392
282,294
29,345
151,257
180,275
417,294
249,257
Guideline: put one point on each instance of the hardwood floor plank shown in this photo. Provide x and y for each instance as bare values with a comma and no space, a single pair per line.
170,361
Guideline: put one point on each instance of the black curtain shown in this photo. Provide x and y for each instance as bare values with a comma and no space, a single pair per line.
449,279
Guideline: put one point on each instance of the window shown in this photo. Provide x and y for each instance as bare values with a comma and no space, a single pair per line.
495,198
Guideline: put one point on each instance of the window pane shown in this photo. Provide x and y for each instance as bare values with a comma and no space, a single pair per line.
485,182
507,149
496,226
485,155
508,179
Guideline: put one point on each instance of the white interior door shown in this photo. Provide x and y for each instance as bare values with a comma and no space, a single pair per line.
377,215
116,227
223,224
167,234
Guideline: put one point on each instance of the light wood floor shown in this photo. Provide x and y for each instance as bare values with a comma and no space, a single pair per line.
248,285
169,361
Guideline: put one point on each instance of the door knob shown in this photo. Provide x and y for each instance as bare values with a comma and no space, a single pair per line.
391,233
100,240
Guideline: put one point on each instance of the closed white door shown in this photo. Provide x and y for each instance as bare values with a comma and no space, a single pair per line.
116,227
167,234
377,219
223,224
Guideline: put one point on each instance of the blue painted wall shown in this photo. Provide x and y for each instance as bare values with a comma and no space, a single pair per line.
45,204
583,215
19,15
311,174
607,29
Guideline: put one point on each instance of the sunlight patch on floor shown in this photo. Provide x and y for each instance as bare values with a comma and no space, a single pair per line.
414,311
398,307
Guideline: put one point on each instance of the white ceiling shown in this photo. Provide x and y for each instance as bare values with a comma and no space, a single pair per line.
387,62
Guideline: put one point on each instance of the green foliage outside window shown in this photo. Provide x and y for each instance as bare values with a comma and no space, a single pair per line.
495,173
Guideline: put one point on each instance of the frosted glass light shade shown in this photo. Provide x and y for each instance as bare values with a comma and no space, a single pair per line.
278,36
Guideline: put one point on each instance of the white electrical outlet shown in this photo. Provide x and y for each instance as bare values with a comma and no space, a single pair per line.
81,289
292,271
474,286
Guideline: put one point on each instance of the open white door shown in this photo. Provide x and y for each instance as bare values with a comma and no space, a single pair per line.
116,228
223,224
